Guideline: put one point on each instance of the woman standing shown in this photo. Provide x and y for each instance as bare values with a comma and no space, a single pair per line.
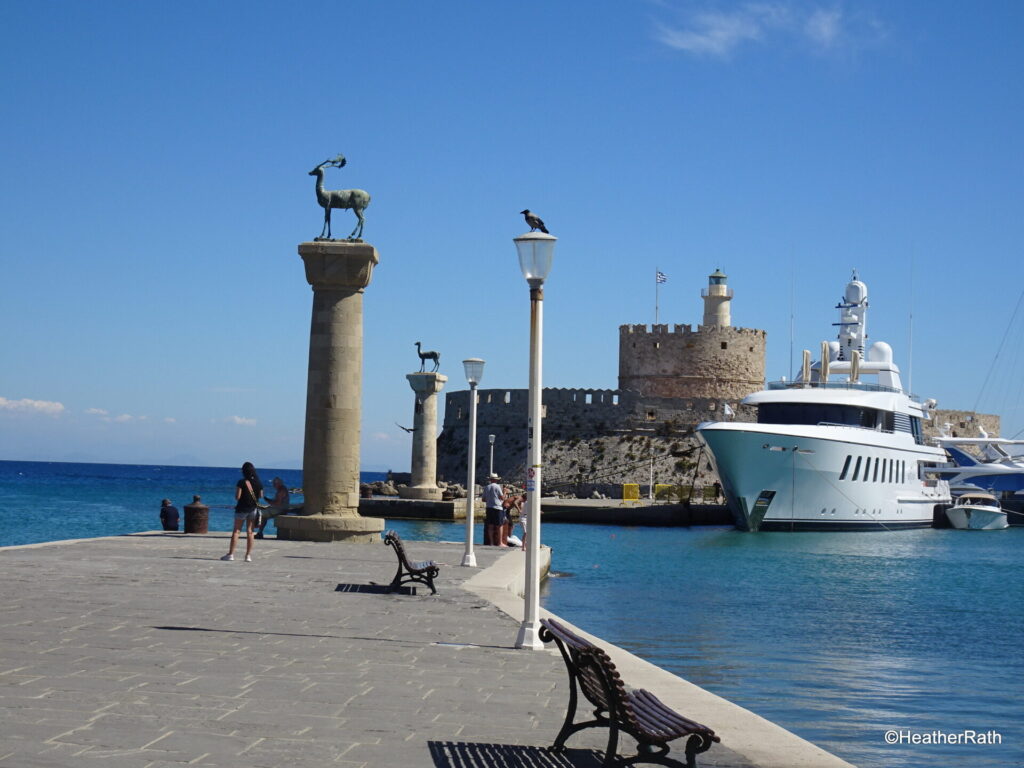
247,495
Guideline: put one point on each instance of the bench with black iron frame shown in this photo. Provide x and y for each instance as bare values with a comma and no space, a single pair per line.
421,572
638,713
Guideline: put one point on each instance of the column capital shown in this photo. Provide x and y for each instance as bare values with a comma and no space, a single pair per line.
338,264
426,383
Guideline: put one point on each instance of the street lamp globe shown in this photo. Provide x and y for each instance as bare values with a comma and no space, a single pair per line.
474,370
536,252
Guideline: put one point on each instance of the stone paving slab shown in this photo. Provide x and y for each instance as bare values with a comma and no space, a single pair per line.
147,651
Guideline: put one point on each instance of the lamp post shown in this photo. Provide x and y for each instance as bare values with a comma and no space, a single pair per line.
474,372
536,252
490,439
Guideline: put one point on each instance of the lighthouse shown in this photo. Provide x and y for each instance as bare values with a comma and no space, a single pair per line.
717,298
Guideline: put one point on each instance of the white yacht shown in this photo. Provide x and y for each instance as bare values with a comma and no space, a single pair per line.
977,511
843,453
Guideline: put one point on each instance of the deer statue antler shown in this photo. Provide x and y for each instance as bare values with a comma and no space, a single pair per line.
338,161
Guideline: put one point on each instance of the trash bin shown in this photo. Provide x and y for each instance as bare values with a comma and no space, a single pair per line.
197,517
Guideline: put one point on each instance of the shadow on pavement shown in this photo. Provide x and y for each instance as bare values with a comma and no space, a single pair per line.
375,589
461,754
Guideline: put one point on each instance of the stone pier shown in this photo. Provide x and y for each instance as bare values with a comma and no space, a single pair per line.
424,437
339,272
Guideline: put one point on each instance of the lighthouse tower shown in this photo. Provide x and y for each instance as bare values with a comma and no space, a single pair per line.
717,298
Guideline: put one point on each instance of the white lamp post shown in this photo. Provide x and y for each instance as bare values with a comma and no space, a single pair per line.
536,252
474,372
490,439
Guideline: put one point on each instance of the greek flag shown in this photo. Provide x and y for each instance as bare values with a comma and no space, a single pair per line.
661,277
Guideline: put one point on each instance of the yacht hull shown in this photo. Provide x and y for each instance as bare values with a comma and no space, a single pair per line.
776,480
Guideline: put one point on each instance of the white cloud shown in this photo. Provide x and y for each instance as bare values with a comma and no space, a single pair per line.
381,437
25,405
719,34
97,412
823,27
170,420
123,418
242,421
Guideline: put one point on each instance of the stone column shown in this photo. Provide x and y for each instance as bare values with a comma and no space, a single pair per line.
339,271
424,437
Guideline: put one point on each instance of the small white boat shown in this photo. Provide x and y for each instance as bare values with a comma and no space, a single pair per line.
977,511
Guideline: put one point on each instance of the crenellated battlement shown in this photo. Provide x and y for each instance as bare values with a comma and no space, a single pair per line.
680,361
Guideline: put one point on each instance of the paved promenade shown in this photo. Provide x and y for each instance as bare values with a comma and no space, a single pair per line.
147,651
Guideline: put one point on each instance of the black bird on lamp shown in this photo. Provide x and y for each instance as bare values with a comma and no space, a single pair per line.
534,221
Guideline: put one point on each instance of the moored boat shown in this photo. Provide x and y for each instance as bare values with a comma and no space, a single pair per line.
832,454
977,511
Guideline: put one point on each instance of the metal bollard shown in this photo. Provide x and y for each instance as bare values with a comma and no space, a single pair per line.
197,517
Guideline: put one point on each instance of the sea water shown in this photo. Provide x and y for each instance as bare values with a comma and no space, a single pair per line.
838,637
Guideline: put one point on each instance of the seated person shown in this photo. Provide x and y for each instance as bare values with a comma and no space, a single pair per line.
168,515
279,505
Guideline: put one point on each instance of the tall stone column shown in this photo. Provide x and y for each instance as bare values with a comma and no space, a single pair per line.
339,271
424,437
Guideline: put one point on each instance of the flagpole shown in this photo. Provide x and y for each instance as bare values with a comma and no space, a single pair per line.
656,284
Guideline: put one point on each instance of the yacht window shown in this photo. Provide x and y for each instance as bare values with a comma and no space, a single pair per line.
846,468
856,469
867,468
818,413
874,477
892,470
915,430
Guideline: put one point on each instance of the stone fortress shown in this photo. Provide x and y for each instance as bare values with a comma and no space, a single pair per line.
671,378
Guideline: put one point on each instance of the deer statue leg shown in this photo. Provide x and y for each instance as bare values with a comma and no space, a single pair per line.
359,226
327,221
437,362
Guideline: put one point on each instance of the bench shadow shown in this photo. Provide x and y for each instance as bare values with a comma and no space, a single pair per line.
375,589
463,754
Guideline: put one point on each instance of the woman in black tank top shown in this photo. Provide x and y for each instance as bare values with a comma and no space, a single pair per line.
248,493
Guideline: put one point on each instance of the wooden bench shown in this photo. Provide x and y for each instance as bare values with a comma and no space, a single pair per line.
422,572
638,713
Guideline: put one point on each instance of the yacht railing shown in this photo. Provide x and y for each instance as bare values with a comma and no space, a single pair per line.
863,386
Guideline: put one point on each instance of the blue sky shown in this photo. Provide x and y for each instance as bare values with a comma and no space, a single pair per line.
154,159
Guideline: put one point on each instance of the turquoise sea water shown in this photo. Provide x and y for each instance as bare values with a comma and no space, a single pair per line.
837,637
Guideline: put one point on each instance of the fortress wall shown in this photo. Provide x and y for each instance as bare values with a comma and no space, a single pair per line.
677,361
575,423
962,423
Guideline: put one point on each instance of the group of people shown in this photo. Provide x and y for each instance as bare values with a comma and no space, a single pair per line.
251,514
499,510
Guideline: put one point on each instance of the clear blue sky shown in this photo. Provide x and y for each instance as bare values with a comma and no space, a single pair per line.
154,161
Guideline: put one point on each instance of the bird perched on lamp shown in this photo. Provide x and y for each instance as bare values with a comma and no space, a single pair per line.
534,221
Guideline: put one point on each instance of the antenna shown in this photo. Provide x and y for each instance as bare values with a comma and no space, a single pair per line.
792,281
910,332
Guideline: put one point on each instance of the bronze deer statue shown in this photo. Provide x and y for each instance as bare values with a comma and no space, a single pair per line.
430,355
356,199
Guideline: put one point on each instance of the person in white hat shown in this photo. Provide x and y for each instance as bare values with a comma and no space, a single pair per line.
494,516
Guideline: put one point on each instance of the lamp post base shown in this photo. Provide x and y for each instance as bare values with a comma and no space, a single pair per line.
529,636
469,560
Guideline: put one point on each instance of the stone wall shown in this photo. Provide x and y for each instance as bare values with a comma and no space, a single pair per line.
962,423
677,361
590,436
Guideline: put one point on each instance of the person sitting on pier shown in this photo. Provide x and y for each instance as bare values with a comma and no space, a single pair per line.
279,505
168,515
